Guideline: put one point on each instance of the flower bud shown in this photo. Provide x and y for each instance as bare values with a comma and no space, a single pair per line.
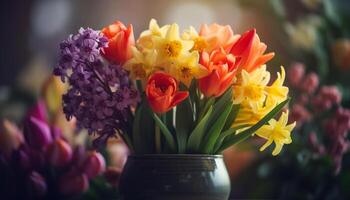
295,74
310,83
59,153
72,184
94,164
341,53
37,133
112,175
10,137
36,185
38,111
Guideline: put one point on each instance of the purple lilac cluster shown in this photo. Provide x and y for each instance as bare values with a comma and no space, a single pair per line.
325,101
100,94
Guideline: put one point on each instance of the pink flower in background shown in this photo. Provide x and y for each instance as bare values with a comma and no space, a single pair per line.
337,128
326,98
300,114
295,74
310,83
315,144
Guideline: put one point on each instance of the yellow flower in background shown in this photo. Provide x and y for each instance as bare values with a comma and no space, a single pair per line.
303,34
141,65
276,93
277,132
250,87
187,67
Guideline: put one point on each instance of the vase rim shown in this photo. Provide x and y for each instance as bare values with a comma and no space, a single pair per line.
175,156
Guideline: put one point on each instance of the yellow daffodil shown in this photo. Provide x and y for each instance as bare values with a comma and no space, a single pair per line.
145,40
199,42
277,93
187,67
141,65
277,132
250,116
171,46
250,87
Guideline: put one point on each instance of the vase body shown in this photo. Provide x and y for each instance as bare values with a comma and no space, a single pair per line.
175,177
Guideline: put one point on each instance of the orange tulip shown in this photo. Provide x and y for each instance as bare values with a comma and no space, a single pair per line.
120,40
249,51
217,36
222,68
162,92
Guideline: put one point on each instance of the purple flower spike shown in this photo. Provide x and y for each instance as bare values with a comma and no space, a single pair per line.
101,94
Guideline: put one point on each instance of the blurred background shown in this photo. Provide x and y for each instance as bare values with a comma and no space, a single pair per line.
311,38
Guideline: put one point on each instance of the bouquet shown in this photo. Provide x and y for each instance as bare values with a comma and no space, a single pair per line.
194,93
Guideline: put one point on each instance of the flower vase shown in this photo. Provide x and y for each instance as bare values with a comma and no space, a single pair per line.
175,176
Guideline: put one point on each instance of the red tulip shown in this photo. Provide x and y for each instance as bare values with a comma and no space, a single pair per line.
94,164
249,51
120,39
59,153
222,71
162,92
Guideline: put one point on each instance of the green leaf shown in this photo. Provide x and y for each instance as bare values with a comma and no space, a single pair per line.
215,130
184,122
207,105
197,134
332,12
223,135
167,134
143,131
247,133
220,106
232,116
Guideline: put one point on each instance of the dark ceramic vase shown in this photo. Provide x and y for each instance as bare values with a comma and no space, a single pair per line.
175,177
